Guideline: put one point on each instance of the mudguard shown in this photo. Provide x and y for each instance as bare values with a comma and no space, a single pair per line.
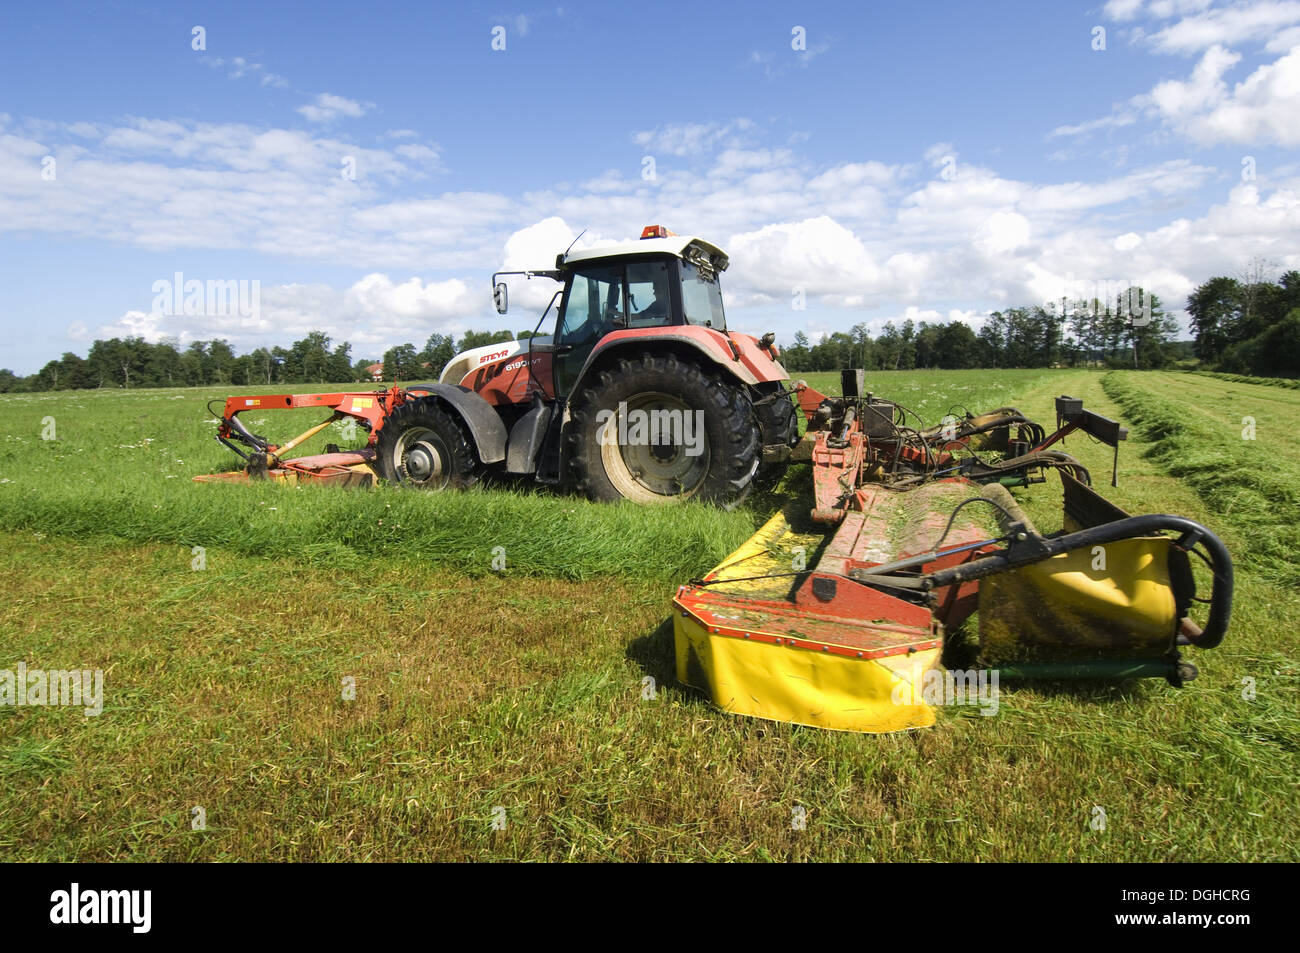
480,418
751,366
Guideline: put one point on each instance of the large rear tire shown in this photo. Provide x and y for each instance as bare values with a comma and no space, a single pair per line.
421,445
618,448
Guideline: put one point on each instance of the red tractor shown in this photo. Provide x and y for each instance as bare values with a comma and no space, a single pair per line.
639,392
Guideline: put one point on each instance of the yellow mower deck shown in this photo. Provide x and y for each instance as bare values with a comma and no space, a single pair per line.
783,630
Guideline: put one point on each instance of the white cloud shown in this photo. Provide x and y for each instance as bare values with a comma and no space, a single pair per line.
1002,232
534,248
1176,100
1238,23
692,138
1122,9
327,107
818,255
418,153
239,67
1259,110
1263,108
372,314
171,185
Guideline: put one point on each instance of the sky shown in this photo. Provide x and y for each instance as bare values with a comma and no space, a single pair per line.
363,169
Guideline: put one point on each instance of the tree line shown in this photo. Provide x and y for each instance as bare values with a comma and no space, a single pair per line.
1132,330
134,362
1245,325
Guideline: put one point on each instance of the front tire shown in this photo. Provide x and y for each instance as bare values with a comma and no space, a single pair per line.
778,419
618,448
423,446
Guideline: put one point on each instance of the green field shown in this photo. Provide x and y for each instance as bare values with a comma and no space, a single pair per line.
484,696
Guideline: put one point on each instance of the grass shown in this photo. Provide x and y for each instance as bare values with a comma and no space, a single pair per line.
120,464
525,690
1248,379
1235,444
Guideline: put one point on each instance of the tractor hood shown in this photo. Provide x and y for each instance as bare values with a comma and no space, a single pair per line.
465,362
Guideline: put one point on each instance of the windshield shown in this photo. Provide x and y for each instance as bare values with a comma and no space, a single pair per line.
701,298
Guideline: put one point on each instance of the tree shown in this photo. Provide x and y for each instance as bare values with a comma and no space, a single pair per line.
796,356
221,362
438,352
474,339
1148,329
956,346
993,341
1214,307
401,363
263,367
340,364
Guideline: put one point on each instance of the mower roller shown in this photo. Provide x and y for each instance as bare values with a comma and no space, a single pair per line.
836,615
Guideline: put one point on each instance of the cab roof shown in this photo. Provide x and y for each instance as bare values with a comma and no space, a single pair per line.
679,246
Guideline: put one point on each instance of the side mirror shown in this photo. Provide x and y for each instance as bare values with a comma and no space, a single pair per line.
499,297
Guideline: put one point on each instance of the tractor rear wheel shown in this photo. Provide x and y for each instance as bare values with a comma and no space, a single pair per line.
421,445
659,430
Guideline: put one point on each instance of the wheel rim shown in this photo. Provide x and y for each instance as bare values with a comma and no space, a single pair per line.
420,458
646,453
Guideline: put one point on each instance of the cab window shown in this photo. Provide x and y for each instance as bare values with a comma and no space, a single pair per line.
648,294
595,300
701,298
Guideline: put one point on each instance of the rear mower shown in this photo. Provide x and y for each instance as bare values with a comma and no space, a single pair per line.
834,616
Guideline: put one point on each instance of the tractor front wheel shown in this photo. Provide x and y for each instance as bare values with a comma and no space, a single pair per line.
660,430
422,445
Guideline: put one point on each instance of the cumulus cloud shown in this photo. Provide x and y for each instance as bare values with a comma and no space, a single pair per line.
818,256
372,314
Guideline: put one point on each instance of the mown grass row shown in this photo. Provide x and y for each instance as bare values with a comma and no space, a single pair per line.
1255,490
476,532
1247,379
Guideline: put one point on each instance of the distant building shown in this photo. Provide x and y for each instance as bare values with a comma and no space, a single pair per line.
376,371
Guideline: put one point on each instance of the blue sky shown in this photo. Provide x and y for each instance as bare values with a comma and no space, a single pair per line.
931,161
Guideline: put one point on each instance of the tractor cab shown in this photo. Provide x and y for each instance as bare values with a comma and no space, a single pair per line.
662,280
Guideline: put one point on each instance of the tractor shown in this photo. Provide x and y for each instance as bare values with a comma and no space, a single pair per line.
639,391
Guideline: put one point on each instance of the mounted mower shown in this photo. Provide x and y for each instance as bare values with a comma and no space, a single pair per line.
911,532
